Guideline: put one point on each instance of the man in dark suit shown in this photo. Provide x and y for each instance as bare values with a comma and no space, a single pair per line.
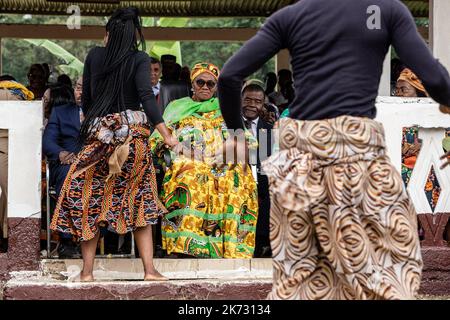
60,145
253,98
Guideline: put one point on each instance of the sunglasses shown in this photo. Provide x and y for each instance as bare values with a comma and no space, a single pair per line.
210,84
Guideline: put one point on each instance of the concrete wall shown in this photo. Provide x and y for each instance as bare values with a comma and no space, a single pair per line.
24,123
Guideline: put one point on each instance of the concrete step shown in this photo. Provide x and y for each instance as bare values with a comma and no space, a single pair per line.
35,286
175,269
193,279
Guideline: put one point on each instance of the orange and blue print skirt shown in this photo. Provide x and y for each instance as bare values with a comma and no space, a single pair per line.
112,182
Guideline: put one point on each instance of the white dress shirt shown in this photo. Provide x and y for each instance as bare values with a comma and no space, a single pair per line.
254,131
156,89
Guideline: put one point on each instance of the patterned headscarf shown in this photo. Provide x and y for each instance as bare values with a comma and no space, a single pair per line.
410,77
17,89
205,67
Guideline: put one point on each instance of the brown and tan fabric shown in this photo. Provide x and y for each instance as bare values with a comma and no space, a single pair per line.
342,225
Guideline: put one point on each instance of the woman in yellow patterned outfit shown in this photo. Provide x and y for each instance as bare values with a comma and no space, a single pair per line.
212,212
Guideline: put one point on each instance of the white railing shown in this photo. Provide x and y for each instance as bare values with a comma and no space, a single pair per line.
397,113
24,122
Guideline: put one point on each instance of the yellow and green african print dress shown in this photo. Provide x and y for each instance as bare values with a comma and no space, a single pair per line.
212,213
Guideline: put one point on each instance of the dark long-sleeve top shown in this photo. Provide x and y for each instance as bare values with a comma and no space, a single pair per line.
337,52
136,92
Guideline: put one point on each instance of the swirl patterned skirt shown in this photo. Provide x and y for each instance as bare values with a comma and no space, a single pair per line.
112,182
342,225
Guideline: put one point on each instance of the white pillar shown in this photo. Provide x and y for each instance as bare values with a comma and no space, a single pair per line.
440,30
1,60
23,119
385,81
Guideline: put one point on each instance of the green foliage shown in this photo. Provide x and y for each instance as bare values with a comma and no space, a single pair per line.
72,67
159,48
219,52
19,54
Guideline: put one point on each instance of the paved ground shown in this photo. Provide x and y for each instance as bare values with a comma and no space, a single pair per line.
191,279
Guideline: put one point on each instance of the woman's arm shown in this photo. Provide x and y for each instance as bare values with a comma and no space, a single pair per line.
147,98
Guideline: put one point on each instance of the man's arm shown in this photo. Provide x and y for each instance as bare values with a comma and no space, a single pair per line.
415,54
252,56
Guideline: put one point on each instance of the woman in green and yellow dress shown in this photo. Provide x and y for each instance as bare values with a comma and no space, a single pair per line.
212,212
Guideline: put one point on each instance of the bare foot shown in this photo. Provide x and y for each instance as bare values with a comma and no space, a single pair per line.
86,277
155,276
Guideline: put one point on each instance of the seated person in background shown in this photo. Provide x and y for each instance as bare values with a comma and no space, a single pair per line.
253,98
65,79
270,83
38,79
155,72
60,144
185,75
270,112
9,90
172,88
212,212
60,141
409,86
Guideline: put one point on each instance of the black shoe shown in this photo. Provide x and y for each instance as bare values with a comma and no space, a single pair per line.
263,252
68,250
159,252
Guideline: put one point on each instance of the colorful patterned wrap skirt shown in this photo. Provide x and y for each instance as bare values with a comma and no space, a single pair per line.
342,225
112,182
212,213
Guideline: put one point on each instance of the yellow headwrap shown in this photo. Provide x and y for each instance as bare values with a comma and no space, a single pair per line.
410,77
21,89
205,67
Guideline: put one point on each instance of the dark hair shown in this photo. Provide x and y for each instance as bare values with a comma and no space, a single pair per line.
253,88
397,66
65,79
60,94
41,68
285,72
123,43
7,77
185,74
47,69
271,82
155,61
168,57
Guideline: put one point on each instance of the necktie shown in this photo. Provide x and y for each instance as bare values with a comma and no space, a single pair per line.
248,124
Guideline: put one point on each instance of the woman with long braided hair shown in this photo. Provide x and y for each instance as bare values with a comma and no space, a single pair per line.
112,181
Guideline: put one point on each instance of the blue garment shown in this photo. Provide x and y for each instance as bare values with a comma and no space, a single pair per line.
61,134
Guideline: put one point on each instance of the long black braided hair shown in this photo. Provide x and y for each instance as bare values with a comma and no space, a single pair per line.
124,39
